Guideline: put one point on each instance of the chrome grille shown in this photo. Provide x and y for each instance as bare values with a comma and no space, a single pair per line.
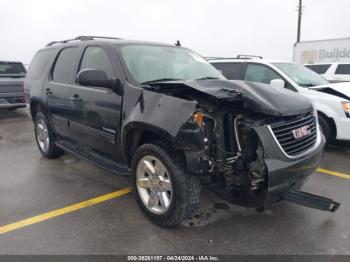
284,134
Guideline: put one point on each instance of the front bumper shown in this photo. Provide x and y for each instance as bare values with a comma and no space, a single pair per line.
343,128
285,174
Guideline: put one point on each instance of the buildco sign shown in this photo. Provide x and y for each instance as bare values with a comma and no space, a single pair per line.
326,55
336,54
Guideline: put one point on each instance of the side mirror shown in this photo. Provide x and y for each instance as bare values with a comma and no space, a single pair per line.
94,77
277,83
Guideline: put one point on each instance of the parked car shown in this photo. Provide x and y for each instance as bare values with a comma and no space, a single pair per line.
331,100
164,115
333,72
11,85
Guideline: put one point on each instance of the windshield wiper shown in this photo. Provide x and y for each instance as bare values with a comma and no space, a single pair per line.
308,85
207,78
156,81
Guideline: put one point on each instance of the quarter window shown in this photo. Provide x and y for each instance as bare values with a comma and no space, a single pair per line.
319,69
39,64
96,58
65,65
343,69
231,71
260,74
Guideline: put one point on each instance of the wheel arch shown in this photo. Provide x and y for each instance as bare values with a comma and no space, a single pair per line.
136,134
37,105
330,121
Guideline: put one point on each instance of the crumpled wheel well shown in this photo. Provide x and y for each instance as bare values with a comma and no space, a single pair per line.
138,137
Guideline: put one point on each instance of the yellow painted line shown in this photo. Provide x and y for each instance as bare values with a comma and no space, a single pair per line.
64,210
333,173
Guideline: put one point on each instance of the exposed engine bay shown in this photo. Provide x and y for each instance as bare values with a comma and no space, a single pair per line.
224,139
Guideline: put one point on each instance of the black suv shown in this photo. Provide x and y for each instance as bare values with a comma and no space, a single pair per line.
164,115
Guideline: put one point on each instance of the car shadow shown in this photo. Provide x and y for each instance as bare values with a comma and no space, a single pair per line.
6,114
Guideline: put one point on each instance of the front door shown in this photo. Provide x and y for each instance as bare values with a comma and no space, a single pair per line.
95,121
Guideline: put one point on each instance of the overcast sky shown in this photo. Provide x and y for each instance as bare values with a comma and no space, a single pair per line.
213,28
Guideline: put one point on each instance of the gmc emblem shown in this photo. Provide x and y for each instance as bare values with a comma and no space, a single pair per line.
301,132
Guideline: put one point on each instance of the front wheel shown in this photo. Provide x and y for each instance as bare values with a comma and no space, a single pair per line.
163,190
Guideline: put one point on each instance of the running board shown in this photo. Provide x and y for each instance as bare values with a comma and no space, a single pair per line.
311,200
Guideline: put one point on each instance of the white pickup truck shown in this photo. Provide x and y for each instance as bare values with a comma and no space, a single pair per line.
11,85
332,100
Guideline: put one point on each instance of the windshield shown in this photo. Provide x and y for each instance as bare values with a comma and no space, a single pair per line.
148,63
301,75
8,68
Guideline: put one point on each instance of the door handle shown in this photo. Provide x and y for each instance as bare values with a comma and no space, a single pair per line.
48,91
75,98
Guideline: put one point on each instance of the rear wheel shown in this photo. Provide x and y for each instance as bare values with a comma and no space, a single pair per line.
45,138
163,190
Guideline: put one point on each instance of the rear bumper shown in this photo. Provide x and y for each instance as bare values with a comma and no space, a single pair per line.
12,100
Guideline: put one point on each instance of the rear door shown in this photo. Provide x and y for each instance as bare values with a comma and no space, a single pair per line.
95,120
57,91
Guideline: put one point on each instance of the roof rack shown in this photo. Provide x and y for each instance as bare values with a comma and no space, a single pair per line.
81,38
249,56
218,58
237,57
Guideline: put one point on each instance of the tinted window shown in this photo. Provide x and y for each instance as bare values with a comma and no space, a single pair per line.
64,67
39,63
343,69
231,71
96,58
260,74
319,69
9,68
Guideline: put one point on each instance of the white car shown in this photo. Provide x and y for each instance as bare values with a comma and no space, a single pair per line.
333,72
332,100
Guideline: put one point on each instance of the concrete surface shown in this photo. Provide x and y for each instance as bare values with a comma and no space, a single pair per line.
31,185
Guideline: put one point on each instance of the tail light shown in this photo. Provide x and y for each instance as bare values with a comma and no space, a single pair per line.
23,89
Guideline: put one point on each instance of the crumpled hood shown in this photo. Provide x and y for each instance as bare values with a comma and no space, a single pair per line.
256,97
343,88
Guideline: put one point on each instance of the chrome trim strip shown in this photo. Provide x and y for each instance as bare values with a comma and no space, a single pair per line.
316,145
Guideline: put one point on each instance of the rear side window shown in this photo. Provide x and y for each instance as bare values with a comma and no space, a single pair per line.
260,74
96,58
10,68
39,64
231,71
343,69
65,65
319,69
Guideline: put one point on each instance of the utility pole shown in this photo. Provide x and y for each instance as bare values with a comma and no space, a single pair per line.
300,11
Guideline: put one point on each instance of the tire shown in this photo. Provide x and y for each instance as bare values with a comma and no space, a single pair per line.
325,128
183,199
41,126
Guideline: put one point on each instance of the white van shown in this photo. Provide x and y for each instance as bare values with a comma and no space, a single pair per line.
333,72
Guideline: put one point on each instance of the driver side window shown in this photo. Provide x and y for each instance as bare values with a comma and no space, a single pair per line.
96,58
260,74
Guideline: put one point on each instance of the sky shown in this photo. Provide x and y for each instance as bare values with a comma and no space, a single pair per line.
210,27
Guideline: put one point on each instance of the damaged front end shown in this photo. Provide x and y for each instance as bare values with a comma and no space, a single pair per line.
255,145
